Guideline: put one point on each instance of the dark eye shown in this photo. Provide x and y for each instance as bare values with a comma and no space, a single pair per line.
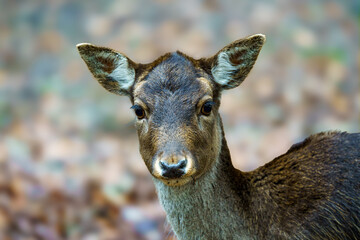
206,108
139,111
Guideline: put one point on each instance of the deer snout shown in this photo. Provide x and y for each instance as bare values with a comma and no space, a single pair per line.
172,171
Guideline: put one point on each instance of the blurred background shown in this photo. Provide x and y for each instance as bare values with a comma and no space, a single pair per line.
69,161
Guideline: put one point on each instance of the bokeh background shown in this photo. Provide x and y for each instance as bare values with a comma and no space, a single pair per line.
69,161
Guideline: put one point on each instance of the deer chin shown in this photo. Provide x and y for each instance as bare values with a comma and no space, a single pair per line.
178,181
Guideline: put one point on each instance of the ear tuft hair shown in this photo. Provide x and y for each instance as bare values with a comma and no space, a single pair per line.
113,70
231,65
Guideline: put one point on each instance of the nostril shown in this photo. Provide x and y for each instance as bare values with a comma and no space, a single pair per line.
182,163
163,165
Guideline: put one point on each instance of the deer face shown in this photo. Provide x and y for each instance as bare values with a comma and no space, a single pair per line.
175,100
177,120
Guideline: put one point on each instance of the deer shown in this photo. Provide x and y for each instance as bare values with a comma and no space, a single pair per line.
310,192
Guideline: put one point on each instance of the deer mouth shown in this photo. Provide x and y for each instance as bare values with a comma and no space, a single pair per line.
178,182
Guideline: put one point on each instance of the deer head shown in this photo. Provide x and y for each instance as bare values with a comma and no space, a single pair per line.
176,100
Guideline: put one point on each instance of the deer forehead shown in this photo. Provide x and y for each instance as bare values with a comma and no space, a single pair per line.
176,79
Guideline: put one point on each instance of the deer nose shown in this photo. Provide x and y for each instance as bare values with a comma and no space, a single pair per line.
173,170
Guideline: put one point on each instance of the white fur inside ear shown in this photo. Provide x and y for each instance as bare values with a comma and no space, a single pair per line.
223,72
123,74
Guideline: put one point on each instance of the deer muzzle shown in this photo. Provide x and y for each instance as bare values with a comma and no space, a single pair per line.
173,169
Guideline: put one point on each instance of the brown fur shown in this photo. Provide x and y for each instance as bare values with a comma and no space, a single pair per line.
310,192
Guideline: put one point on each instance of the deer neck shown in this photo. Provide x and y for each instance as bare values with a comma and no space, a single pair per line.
211,206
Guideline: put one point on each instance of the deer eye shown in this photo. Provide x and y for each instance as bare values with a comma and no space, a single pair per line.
206,108
139,111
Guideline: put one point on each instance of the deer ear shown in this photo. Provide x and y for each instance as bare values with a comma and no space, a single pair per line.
231,65
113,70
